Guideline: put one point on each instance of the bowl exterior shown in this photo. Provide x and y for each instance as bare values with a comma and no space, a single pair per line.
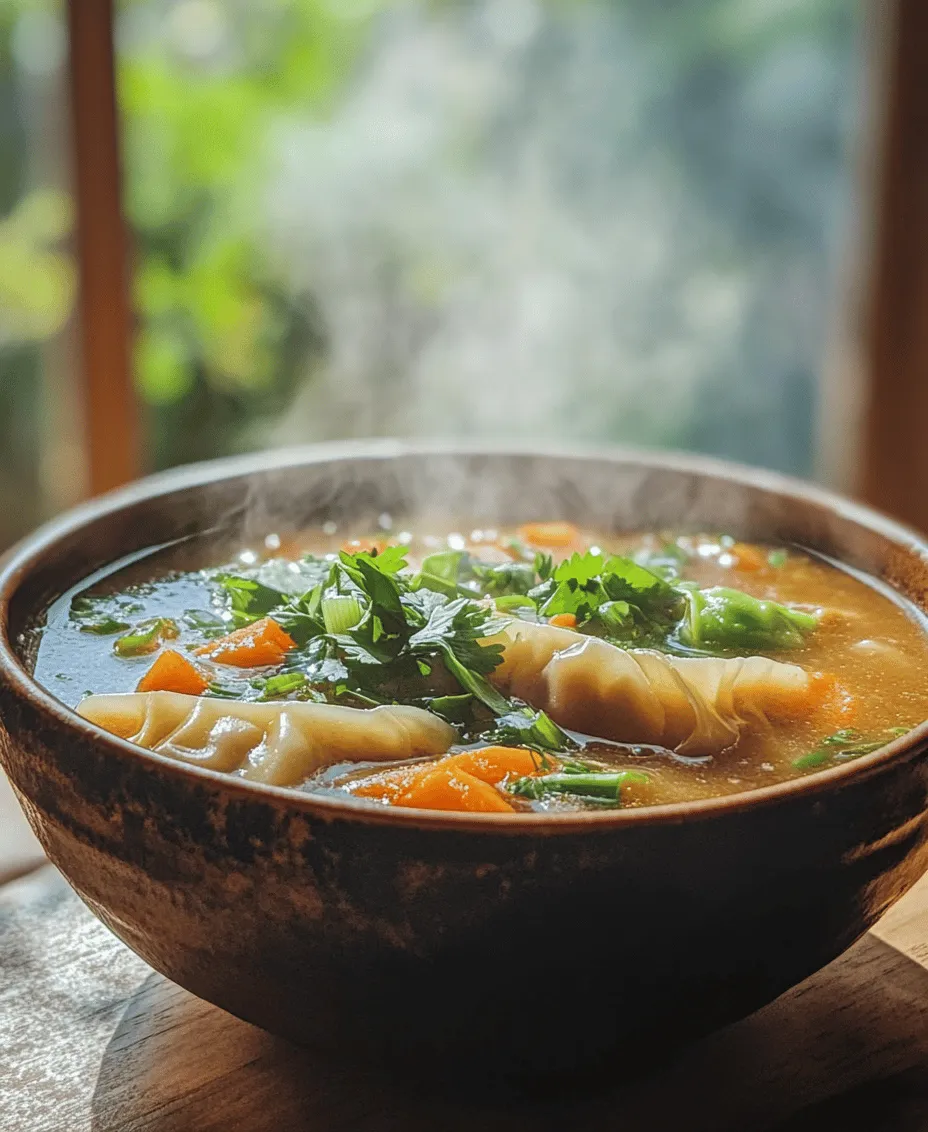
522,947
524,951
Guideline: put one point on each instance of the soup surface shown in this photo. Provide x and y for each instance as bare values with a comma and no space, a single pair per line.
538,669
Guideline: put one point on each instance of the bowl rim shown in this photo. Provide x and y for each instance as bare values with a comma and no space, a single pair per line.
21,558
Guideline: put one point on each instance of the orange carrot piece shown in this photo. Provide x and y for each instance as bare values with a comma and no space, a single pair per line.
748,558
387,785
549,534
172,672
564,620
447,788
835,704
462,782
493,764
257,645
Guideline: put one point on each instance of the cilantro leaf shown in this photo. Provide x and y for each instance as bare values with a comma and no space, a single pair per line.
440,572
460,626
505,577
580,568
302,617
249,599
377,577
103,614
524,727
615,595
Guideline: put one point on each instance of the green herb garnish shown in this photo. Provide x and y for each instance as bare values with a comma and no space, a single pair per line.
146,637
606,786
845,745
615,596
527,728
367,627
249,600
207,623
510,603
454,709
722,618
104,626
505,578
441,572
282,685
103,614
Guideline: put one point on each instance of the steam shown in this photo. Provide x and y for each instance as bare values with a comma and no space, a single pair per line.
499,243
383,484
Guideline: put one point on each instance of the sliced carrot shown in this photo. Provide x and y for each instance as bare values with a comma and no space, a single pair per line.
564,620
387,785
834,702
549,534
253,646
465,781
172,672
747,557
493,764
448,788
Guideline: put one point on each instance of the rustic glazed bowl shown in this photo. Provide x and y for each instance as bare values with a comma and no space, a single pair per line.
524,942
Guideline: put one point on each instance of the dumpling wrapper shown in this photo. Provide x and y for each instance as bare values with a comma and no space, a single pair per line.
695,705
278,743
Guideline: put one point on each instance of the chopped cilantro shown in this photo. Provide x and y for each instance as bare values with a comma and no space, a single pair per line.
454,709
613,596
441,572
103,614
527,728
505,578
249,599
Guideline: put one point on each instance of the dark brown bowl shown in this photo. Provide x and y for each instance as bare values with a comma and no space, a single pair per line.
520,942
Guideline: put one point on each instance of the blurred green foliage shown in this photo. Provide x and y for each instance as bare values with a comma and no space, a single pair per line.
221,337
36,276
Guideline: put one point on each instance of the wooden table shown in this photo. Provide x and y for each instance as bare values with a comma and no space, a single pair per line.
92,1039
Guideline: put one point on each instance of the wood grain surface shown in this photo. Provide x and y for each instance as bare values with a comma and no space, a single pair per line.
92,1039
20,852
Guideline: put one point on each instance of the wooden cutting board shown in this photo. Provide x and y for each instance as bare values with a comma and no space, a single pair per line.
92,1040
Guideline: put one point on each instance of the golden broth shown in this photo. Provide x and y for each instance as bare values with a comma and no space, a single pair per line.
874,645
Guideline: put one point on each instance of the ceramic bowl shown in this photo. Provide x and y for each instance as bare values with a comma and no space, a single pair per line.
523,943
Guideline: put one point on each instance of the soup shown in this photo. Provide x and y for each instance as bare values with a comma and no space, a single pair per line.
542,669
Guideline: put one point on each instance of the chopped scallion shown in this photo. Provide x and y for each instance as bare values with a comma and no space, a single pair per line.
146,638
581,785
454,709
282,685
340,613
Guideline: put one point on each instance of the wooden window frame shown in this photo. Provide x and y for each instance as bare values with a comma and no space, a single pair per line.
109,408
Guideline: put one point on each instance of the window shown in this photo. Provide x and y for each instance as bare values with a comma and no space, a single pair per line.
609,220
